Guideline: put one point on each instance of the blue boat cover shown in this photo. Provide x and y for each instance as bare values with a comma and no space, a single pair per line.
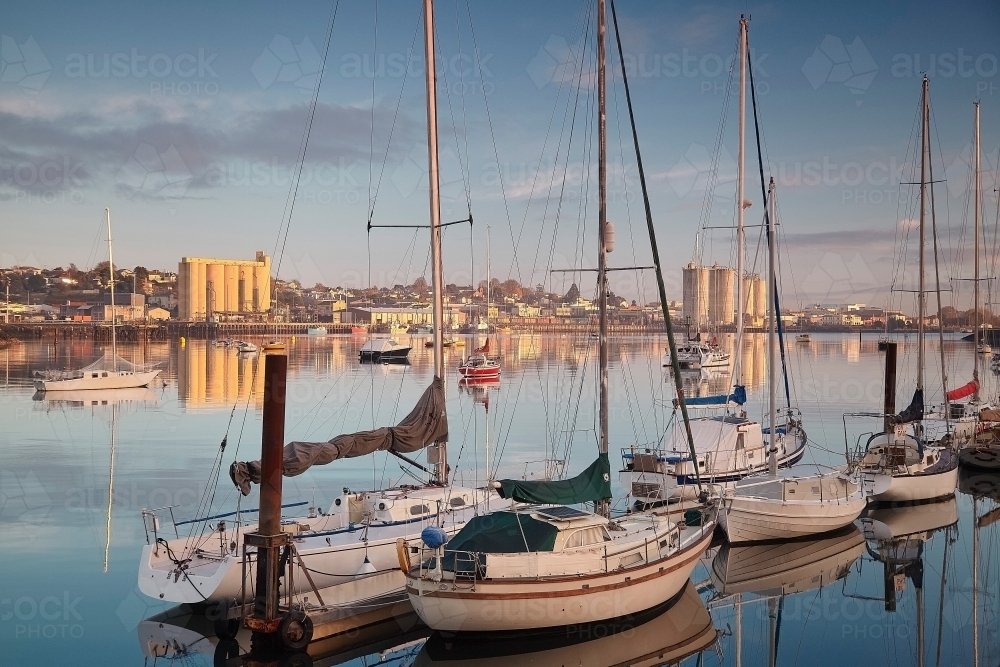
739,396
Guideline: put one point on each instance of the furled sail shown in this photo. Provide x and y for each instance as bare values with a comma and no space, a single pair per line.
739,396
967,389
913,412
591,485
426,423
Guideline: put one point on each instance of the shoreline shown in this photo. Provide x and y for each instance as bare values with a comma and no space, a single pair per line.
219,330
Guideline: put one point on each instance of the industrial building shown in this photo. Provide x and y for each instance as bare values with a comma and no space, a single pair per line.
710,300
755,296
211,289
695,309
709,295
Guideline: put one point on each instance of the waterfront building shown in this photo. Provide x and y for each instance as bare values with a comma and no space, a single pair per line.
209,289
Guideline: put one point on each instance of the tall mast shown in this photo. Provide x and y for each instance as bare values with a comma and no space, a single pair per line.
602,217
923,215
111,287
975,306
772,340
740,177
433,179
489,277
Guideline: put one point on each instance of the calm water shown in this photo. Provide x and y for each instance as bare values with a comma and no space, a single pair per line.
68,556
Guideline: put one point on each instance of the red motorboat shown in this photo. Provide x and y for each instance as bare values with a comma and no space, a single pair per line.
480,364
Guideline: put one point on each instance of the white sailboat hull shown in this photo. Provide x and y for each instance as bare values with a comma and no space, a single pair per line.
910,488
756,518
99,380
532,604
904,471
331,547
216,581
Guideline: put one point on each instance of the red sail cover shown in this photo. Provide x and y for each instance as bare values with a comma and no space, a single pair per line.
963,391
485,349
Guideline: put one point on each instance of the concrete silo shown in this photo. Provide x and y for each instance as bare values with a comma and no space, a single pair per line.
721,292
754,299
696,295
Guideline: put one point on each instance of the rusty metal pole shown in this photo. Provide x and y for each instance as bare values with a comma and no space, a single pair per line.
269,539
890,385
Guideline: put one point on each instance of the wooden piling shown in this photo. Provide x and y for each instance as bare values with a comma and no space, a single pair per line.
890,385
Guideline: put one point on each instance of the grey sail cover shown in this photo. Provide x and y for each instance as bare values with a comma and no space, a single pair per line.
426,423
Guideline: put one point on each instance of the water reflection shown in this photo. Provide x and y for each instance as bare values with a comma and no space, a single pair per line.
80,398
55,477
897,539
186,634
705,381
683,630
208,375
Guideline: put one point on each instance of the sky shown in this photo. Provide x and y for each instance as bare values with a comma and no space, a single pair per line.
186,120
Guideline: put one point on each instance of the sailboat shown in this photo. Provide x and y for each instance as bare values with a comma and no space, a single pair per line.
351,552
962,420
980,453
728,444
480,365
110,371
772,507
585,567
902,465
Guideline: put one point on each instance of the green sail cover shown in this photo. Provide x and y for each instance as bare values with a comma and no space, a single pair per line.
504,533
496,533
591,485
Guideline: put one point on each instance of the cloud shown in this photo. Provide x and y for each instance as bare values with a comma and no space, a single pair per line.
846,238
702,25
91,147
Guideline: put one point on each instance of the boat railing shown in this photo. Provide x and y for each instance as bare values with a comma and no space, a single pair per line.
151,523
854,457
151,520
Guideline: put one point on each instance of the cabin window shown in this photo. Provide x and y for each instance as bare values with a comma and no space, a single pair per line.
588,536
104,374
419,509
93,375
